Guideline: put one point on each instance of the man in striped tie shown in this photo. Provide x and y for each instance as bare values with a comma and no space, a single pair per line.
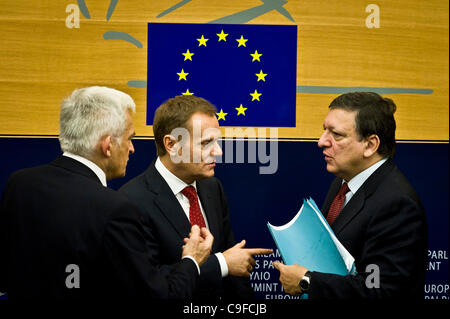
371,207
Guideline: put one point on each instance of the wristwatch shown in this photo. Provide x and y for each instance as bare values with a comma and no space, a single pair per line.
305,282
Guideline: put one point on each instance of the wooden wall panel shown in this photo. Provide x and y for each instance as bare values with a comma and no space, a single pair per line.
41,60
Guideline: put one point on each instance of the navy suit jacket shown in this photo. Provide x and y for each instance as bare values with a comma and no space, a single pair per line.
166,225
383,224
59,214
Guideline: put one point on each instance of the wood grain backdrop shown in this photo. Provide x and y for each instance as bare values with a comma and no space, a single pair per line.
42,60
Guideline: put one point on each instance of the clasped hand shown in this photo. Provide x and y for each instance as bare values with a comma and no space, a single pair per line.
198,245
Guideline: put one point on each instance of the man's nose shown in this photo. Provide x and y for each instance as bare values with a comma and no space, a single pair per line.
217,150
323,140
131,148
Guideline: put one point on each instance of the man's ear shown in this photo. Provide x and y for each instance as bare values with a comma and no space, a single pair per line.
105,145
372,144
170,144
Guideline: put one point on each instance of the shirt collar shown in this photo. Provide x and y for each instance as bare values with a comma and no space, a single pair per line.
356,182
97,170
175,184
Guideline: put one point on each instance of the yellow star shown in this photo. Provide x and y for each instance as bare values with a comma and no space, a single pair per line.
255,95
241,41
241,109
182,75
187,55
187,92
261,76
221,115
256,56
222,36
202,41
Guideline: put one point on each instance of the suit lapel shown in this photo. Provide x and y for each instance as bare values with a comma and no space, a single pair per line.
349,211
166,202
209,208
356,203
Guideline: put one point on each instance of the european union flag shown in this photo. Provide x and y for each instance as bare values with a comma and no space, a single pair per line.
247,71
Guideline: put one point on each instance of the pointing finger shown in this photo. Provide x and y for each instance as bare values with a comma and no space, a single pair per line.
259,251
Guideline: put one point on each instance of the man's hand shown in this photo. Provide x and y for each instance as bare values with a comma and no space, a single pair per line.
290,277
198,245
240,260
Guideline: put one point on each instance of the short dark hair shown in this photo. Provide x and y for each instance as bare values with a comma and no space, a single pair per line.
176,112
375,115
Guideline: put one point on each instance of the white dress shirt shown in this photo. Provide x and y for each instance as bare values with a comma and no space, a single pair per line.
97,170
356,182
177,185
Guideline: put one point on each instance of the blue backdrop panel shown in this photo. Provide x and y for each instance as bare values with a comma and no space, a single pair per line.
255,199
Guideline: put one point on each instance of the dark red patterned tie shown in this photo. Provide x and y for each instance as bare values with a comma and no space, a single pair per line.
336,205
195,214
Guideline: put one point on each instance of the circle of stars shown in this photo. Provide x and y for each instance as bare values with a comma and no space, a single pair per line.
241,42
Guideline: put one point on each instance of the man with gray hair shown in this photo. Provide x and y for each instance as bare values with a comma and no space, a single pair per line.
64,234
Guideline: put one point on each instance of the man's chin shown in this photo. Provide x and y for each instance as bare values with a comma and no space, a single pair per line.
118,175
209,173
331,169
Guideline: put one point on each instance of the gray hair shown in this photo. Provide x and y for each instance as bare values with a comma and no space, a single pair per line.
89,114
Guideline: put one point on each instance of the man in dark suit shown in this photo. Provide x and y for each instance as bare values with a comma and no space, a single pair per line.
382,222
186,134
64,234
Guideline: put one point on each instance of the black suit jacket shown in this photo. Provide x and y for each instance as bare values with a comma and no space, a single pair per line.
60,214
383,224
167,225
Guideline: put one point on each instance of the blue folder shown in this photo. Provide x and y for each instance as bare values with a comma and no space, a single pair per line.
308,240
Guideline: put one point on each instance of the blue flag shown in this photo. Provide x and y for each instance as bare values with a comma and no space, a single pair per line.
247,71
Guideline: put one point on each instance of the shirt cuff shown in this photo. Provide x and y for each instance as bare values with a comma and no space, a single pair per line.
196,264
223,264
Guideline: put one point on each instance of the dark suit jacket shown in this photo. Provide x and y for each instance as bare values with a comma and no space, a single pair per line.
167,225
384,224
60,214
